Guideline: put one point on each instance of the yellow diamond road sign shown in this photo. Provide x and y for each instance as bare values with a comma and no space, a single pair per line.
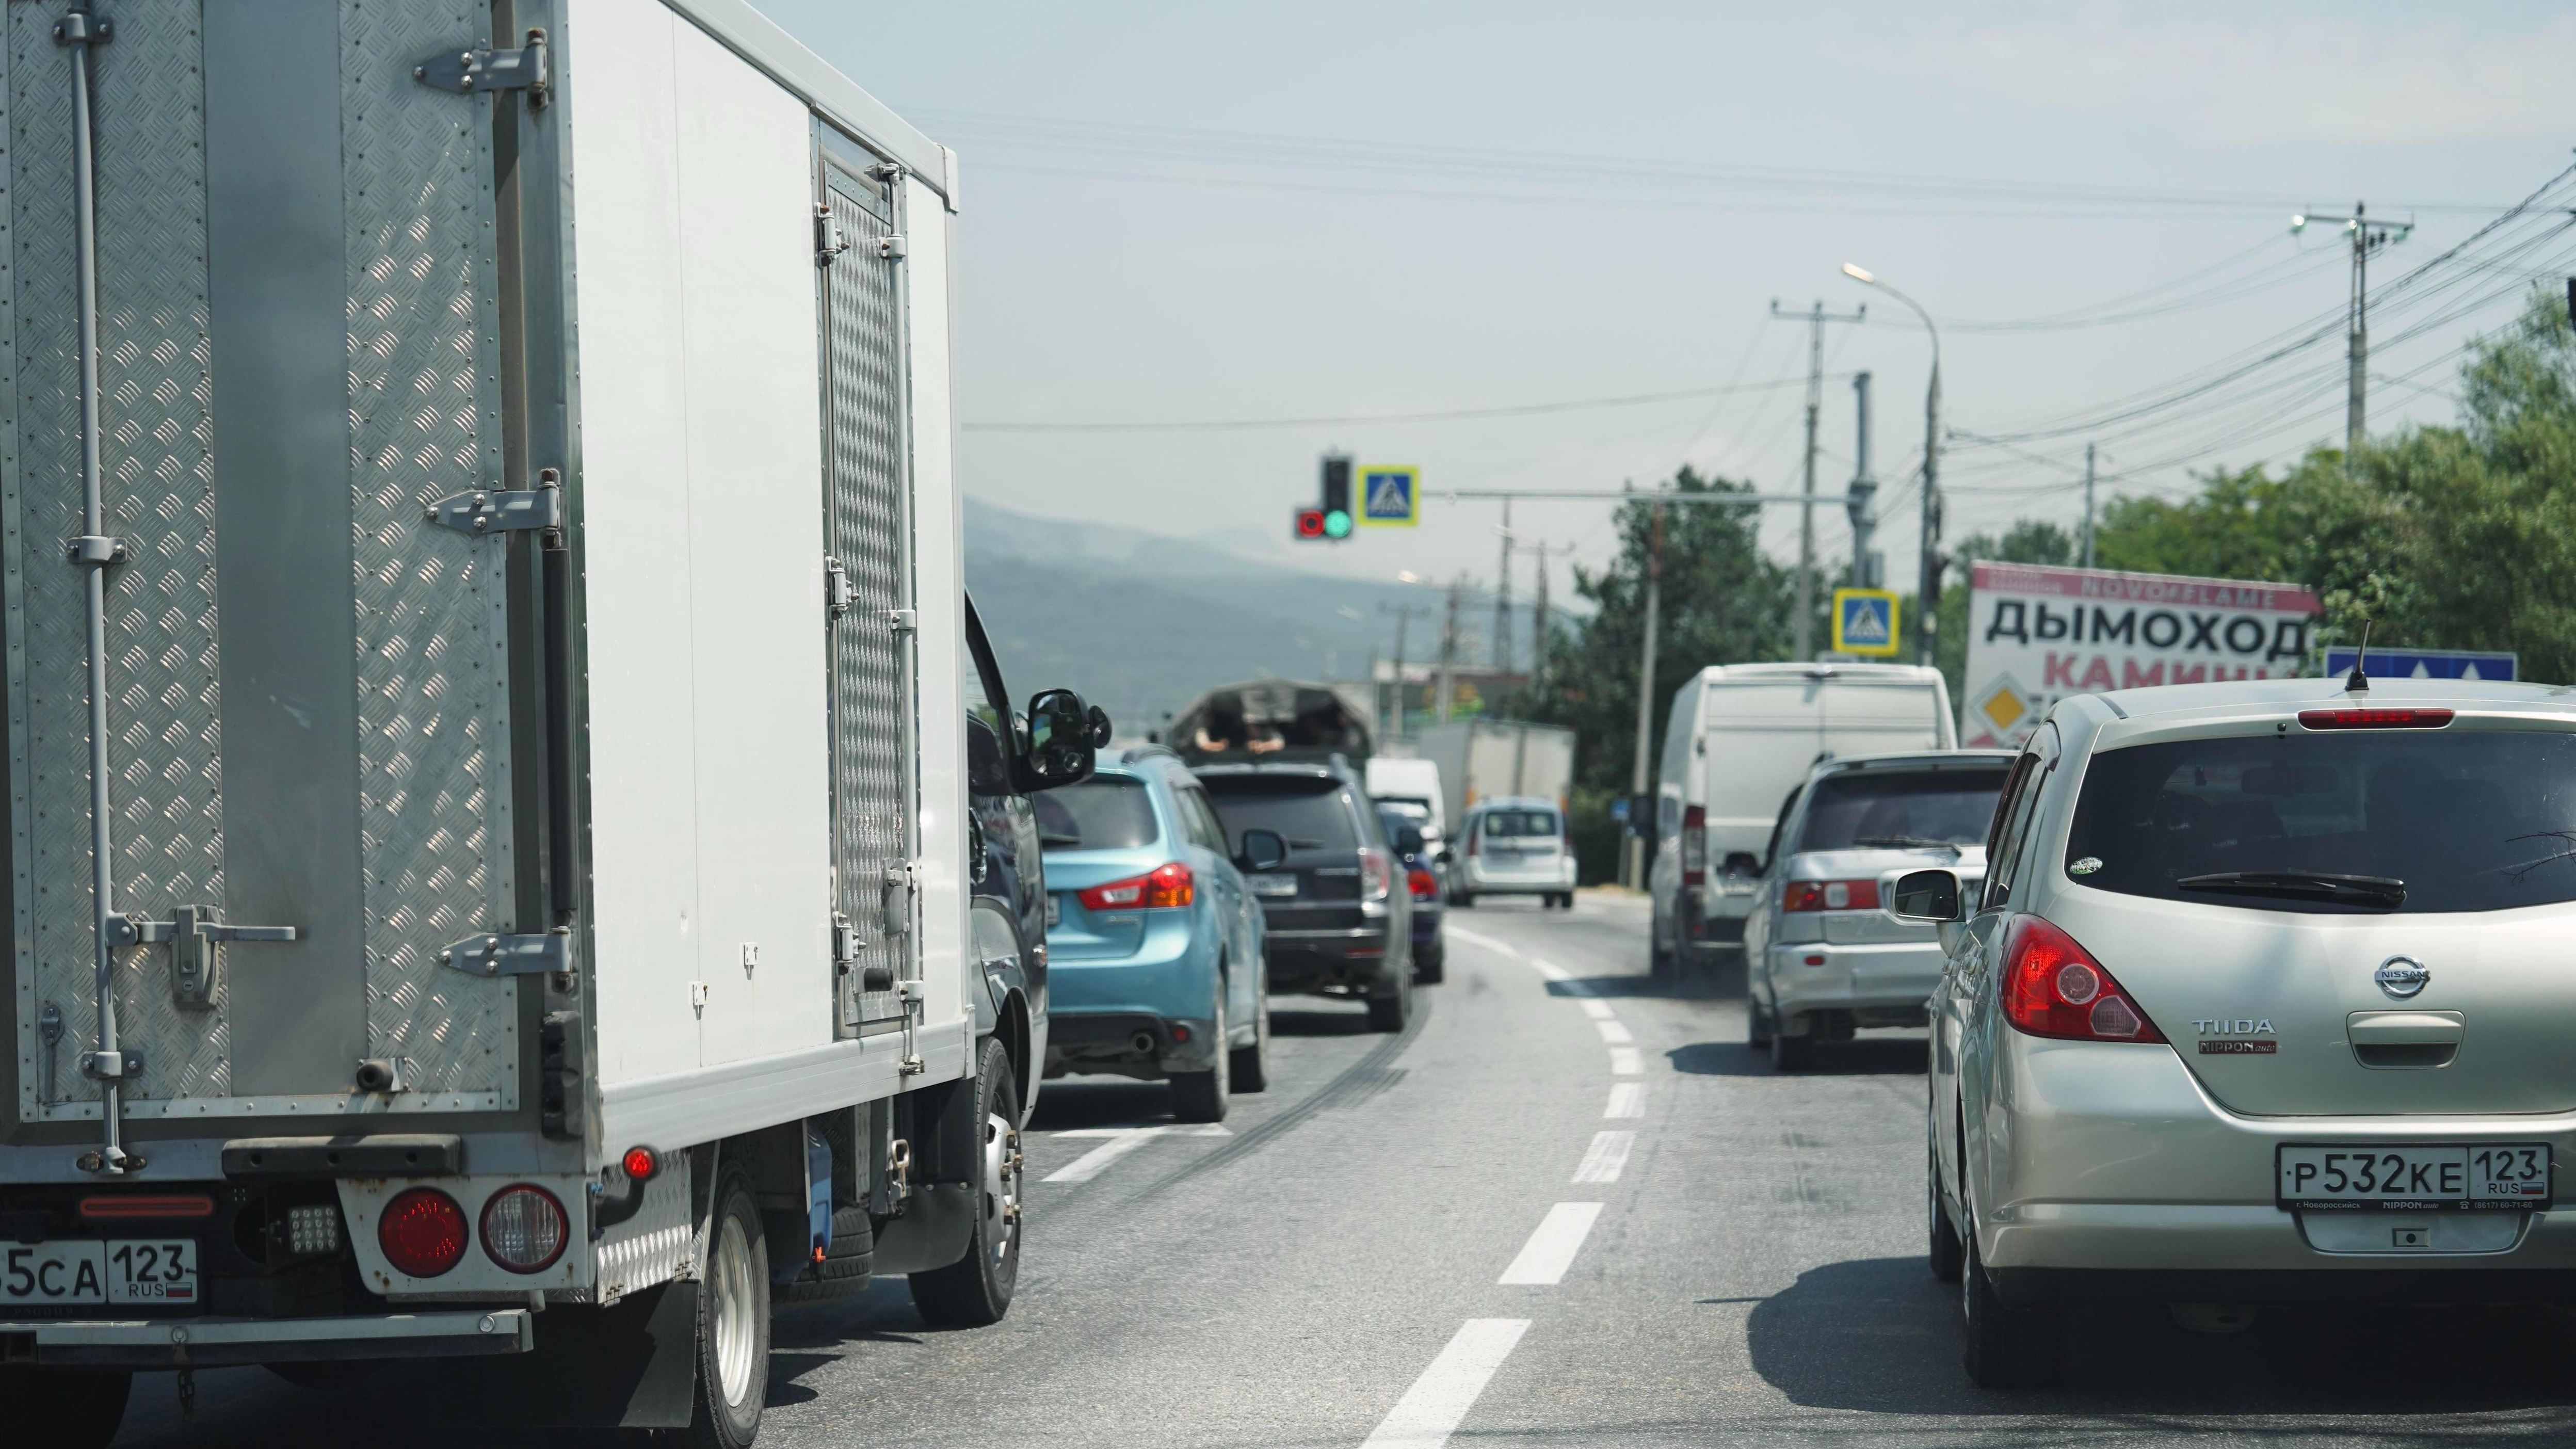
2004,708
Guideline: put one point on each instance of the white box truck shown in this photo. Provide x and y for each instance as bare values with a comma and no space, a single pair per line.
1738,739
506,790
1493,759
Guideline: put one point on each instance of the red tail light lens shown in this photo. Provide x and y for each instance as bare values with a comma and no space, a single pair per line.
1829,895
2053,987
1377,875
640,1163
422,1232
523,1229
1695,845
178,1205
1423,885
1161,888
2374,719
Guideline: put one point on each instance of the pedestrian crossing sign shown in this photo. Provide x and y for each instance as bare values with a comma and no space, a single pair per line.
1390,497
1864,621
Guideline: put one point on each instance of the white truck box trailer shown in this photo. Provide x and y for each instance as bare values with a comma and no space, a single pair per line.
487,681
1738,739
1486,759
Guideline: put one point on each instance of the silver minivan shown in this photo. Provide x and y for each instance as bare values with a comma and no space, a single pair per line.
1823,956
2265,997
1513,847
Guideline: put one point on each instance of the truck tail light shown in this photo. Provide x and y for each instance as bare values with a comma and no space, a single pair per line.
1162,888
422,1232
2053,987
1377,875
173,1205
1695,845
523,1229
1422,883
1829,895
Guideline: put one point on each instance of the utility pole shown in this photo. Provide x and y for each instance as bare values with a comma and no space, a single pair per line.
2088,505
1403,615
1635,874
1816,320
1503,597
2367,236
1538,624
1861,503
1449,648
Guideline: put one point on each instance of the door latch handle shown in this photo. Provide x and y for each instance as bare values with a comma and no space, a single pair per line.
195,936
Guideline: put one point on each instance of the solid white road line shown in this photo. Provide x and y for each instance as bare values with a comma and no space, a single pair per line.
1488,942
1627,1099
1431,1410
1550,970
1624,1062
1551,1249
1606,1157
1597,1010
1160,1129
1614,1032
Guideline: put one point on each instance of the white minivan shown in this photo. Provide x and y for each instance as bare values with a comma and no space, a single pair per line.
1739,738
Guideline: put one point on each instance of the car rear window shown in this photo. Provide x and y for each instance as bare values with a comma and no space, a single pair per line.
2468,820
1310,813
1102,813
1872,809
1510,824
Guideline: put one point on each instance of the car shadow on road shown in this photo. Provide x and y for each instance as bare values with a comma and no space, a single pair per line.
1878,1335
1640,986
1864,1056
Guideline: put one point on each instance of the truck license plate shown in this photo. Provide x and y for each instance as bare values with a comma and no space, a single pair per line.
2362,1175
121,1271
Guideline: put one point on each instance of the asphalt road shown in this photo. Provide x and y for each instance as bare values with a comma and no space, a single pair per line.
1566,1207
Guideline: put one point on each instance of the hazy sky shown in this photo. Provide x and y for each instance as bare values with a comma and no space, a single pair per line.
1224,212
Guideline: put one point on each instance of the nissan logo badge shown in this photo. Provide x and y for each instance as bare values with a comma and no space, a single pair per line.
2401,976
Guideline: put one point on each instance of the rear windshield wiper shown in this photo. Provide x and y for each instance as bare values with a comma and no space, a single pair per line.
1907,842
2368,890
1049,837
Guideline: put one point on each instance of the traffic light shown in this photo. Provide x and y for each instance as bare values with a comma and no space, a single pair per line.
1337,495
1310,523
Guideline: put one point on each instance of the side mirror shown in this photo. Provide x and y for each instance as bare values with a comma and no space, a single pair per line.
1447,855
1408,841
1927,895
1262,850
1061,744
1740,864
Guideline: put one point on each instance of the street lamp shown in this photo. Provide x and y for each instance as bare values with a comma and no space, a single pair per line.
1930,578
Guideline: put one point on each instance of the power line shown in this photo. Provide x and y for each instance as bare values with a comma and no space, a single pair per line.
1358,419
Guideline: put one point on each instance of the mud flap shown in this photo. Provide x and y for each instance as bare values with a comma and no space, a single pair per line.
632,1365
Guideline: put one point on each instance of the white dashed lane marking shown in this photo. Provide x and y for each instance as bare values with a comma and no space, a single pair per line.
1551,1249
1597,1010
1608,1155
1614,1032
1122,1140
1431,1410
1627,1099
1624,1062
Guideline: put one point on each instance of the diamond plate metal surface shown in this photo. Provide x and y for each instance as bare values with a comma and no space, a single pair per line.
424,422
869,531
157,439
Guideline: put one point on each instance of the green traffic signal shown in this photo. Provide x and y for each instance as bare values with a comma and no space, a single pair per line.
1337,524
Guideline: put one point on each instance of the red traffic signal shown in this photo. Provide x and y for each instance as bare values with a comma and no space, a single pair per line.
1310,523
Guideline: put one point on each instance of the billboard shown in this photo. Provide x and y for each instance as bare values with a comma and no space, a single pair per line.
2037,634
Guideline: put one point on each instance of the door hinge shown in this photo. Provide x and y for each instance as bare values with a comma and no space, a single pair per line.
496,955
829,240
481,68
500,510
898,900
891,247
902,621
838,592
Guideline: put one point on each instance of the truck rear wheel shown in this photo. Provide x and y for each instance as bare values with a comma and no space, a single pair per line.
976,1290
733,1322
64,1408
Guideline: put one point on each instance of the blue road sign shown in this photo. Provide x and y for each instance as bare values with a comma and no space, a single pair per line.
1390,497
2426,663
1864,621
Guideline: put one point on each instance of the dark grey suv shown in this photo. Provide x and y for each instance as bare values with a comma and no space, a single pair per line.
1341,920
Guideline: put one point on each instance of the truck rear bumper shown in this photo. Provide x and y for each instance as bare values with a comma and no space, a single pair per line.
206,1342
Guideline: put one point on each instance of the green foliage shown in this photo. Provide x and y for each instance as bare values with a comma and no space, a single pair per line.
2027,541
1723,601
2444,537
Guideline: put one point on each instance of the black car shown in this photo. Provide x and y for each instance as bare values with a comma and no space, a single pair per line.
1340,908
1417,855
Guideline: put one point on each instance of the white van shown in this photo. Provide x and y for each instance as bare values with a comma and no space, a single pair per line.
1395,781
1742,736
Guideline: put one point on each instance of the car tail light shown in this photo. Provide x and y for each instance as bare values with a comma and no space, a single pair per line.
1829,895
1476,840
1377,875
2053,987
422,1232
523,1229
1695,845
1161,888
1422,883
2374,719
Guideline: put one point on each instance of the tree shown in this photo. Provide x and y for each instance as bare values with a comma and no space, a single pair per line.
2028,541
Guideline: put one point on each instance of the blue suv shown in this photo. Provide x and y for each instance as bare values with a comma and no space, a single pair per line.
1157,954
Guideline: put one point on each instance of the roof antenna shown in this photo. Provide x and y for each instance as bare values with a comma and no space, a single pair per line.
2358,682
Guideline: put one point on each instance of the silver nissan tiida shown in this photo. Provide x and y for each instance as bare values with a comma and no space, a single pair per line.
2268,995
